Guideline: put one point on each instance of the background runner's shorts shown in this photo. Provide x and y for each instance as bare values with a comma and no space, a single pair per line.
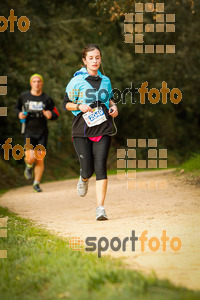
37,139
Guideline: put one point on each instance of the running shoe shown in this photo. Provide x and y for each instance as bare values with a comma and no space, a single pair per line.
82,187
36,188
28,172
101,213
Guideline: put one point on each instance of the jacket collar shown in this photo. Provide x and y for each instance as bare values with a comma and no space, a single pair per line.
83,71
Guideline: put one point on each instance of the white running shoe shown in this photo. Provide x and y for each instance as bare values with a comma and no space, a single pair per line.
101,213
82,187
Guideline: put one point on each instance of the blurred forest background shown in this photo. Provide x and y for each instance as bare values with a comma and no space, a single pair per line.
52,46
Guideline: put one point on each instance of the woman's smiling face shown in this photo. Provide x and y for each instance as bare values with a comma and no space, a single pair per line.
92,61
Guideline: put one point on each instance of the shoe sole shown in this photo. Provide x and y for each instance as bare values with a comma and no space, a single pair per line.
101,218
81,195
37,191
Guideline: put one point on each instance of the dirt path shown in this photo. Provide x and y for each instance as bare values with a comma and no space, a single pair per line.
175,209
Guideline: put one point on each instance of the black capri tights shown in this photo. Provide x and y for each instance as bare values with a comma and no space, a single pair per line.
92,156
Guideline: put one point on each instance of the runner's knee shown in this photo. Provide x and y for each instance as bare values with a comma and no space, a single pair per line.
40,155
87,173
39,161
101,173
30,158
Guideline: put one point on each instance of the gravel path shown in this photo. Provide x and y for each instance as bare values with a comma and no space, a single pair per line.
175,209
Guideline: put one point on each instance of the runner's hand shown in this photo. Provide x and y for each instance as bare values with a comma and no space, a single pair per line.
22,116
85,108
47,114
114,112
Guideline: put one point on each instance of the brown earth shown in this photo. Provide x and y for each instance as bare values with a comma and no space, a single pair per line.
175,209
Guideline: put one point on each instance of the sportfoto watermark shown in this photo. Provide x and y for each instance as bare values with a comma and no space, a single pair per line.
163,21
3,234
116,244
154,95
39,150
23,22
127,163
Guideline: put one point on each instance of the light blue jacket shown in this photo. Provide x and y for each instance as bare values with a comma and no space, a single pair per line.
80,91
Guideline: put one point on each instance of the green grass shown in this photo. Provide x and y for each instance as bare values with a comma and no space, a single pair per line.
191,169
42,266
3,191
192,164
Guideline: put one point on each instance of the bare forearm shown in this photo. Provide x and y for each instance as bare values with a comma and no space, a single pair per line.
82,107
71,106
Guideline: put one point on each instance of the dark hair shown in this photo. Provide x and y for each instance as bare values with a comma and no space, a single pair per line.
88,48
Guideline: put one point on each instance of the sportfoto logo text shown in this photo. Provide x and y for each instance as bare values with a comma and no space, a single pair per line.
116,244
23,22
18,150
154,95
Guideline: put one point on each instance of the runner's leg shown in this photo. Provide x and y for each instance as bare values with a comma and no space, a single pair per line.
39,162
38,171
83,147
101,189
29,156
29,142
100,152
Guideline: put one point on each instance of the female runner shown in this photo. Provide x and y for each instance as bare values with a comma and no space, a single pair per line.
89,97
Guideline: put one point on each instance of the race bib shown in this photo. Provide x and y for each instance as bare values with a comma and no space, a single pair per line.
35,106
95,117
